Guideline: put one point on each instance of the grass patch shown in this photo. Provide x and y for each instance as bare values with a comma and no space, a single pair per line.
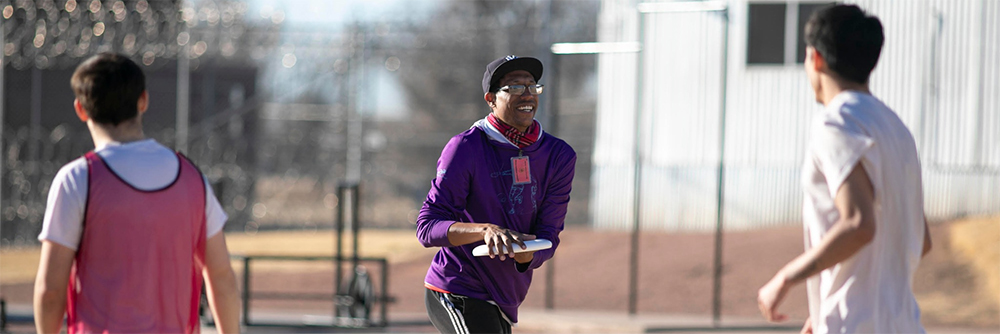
19,265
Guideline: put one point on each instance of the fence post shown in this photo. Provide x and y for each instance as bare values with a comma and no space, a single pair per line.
3,316
246,291
385,292
721,191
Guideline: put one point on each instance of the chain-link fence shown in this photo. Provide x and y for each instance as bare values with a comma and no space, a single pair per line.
276,115
31,160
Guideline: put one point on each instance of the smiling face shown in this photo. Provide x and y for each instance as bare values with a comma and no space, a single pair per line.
517,111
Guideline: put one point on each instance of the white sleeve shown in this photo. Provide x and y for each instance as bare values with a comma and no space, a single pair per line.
839,144
64,210
215,217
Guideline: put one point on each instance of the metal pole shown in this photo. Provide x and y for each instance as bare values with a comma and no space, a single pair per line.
355,224
3,304
550,268
3,102
679,7
544,38
633,273
977,89
246,291
354,120
183,98
720,208
208,91
385,292
553,101
339,260
36,119
566,49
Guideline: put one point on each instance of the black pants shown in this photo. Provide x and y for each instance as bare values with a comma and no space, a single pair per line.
456,314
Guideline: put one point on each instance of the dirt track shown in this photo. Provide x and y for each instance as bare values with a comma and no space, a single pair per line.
675,276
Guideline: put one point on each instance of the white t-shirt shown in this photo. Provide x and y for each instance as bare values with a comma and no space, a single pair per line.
144,164
871,292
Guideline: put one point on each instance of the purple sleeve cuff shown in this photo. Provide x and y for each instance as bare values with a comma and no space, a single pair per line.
438,236
536,261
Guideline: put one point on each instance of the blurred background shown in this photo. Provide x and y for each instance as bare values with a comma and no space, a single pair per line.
697,109
278,100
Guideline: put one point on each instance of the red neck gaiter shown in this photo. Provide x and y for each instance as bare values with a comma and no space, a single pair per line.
521,139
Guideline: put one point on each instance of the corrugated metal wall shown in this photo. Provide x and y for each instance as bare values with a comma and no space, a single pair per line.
613,140
940,70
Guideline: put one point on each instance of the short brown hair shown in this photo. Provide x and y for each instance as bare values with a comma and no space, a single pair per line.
108,87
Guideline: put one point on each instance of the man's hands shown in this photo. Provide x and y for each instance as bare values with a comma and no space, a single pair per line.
854,230
503,240
770,296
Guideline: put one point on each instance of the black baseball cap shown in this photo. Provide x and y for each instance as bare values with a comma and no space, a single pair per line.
506,64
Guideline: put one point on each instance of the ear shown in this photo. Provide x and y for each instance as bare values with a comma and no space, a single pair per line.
80,112
490,97
143,102
818,62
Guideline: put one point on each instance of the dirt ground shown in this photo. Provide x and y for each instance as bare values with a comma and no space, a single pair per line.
675,277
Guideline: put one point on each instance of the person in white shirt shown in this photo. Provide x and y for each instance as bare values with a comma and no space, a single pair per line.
99,248
865,230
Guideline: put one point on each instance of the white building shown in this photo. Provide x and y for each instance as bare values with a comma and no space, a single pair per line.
939,69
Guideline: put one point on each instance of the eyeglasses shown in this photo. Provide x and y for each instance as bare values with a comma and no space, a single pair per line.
517,90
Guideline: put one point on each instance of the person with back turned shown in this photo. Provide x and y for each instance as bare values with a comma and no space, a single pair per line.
132,227
865,230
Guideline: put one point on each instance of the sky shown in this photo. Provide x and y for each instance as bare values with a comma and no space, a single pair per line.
332,16
335,13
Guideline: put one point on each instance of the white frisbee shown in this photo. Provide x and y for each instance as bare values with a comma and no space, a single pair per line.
532,245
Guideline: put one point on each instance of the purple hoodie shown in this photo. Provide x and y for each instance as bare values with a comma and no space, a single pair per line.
474,184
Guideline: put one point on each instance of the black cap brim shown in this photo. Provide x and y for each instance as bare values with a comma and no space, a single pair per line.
532,65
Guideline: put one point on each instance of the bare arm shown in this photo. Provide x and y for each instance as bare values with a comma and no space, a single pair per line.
50,286
854,230
495,236
221,285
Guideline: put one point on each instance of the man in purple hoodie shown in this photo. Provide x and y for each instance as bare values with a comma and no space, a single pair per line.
500,183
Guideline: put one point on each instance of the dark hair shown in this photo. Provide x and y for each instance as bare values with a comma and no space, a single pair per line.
108,86
848,39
